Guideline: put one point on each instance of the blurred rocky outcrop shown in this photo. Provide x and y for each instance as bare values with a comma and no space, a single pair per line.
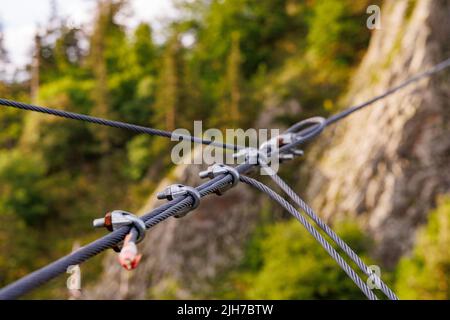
387,164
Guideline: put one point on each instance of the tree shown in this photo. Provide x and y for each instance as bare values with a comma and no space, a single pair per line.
36,68
10,120
168,95
3,63
68,52
234,80
22,192
135,83
106,40
144,50
4,60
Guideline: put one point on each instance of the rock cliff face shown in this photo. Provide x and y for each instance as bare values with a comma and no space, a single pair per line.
387,164
384,165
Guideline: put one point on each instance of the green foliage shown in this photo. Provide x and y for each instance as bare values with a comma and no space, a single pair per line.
425,275
139,156
283,261
144,50
168,99
11,124
21,188
335,31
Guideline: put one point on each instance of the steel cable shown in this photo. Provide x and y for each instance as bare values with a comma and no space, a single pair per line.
323,242
114,124
341,243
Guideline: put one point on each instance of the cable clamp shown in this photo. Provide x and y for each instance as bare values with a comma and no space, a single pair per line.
251,156
220,169
128,256
178,190
274,144
118,218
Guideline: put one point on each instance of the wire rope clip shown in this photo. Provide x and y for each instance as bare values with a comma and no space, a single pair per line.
220,169
179,190
272,146
128,256
251,156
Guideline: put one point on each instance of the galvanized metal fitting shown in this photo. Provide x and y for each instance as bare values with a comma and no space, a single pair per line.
217,170
251,156
178,190
118,219
272,146
277,142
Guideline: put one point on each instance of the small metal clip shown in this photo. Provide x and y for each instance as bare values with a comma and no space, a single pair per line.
277,142
118,218
217,170
272,146
178,190
128,256
251,156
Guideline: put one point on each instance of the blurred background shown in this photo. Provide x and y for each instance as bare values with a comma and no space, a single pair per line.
380,178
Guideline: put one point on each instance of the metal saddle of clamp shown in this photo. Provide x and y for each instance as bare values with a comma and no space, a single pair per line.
217,170
274,144
117,219
251,156
178,190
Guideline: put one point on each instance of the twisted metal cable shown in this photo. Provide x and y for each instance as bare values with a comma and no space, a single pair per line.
324,243
435,69
114,124
341,243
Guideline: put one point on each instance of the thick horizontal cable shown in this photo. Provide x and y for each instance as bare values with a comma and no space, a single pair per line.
114,124
325,244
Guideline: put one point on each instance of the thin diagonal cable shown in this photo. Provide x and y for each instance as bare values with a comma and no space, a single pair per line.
341,243
114,124
435,69
325,244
